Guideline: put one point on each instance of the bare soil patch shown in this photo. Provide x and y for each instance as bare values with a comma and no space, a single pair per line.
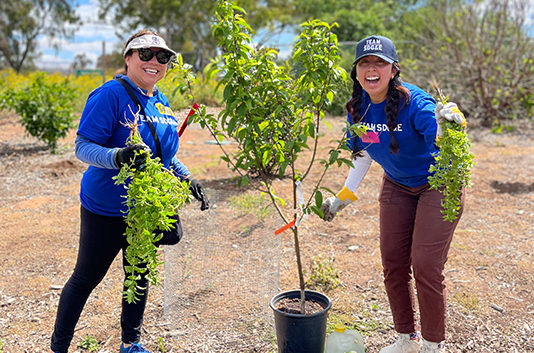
489,273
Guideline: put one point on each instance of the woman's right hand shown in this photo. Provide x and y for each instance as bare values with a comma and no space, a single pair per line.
135,155
331,206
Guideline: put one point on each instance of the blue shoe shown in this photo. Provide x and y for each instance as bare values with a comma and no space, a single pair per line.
134,348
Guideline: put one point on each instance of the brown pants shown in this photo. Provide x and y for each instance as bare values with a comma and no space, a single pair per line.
414,235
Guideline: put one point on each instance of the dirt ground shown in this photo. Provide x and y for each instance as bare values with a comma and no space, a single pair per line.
489,272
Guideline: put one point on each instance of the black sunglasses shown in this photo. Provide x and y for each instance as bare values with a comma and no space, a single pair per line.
163,56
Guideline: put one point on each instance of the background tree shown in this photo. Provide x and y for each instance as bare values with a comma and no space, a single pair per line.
81,61
356,19
114,60
186,24
480,54
23,21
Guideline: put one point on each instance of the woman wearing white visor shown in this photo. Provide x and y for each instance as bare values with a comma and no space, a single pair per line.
101,143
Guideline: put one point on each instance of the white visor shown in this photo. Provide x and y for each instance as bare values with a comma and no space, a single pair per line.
147,41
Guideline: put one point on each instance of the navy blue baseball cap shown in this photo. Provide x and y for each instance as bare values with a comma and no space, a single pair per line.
379,46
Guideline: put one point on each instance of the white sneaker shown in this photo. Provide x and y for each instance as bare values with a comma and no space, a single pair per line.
406,343
432,347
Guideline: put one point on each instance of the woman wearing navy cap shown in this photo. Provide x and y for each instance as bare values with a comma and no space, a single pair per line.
402,122
101,143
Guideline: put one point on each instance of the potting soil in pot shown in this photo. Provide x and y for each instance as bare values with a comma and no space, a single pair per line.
292,306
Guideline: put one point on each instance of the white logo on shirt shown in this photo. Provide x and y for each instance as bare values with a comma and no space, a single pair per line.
380,127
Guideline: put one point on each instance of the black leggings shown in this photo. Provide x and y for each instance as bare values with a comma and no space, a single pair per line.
101,239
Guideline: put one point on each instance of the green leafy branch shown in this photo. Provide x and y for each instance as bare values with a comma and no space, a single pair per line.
154,196
452,167
185,79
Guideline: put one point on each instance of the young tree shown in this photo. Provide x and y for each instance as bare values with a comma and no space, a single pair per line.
274,113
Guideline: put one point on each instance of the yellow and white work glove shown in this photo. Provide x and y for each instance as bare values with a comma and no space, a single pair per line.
332,205
448,112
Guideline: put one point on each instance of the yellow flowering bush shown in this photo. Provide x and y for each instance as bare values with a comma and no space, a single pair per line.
83,84
204,91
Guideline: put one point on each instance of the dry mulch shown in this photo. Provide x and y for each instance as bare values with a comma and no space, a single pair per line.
489,273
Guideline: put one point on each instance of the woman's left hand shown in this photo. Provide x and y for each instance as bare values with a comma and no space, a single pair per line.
449,112
197,190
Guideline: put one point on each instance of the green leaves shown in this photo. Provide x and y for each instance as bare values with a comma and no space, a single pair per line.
452,167
89,343
46,109
154,196
272,111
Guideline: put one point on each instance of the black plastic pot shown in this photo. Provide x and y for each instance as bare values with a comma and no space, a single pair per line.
298,333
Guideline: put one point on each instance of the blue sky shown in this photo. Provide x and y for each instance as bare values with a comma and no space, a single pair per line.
89,37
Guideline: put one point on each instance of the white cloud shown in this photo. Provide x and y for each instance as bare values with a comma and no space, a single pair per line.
53,63
87,39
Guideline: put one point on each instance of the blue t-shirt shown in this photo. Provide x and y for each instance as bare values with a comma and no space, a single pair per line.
104,121
416,133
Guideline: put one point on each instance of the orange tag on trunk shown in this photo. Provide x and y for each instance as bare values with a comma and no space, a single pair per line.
284,228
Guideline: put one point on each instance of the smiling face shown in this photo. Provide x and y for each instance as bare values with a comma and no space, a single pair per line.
373,74
145,74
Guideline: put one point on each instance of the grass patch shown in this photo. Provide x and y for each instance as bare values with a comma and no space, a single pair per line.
201,169
360,320
249,203
468,301
323,275
489,252
459,246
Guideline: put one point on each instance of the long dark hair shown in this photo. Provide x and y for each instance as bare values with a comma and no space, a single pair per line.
396,94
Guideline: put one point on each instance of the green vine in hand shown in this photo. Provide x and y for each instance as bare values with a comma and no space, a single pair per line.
452,167
154,196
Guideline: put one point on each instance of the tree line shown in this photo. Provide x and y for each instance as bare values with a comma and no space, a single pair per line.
479,52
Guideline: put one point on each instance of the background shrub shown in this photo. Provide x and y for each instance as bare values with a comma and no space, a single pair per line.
46,108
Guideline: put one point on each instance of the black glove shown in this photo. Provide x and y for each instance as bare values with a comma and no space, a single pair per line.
198,193
135,155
